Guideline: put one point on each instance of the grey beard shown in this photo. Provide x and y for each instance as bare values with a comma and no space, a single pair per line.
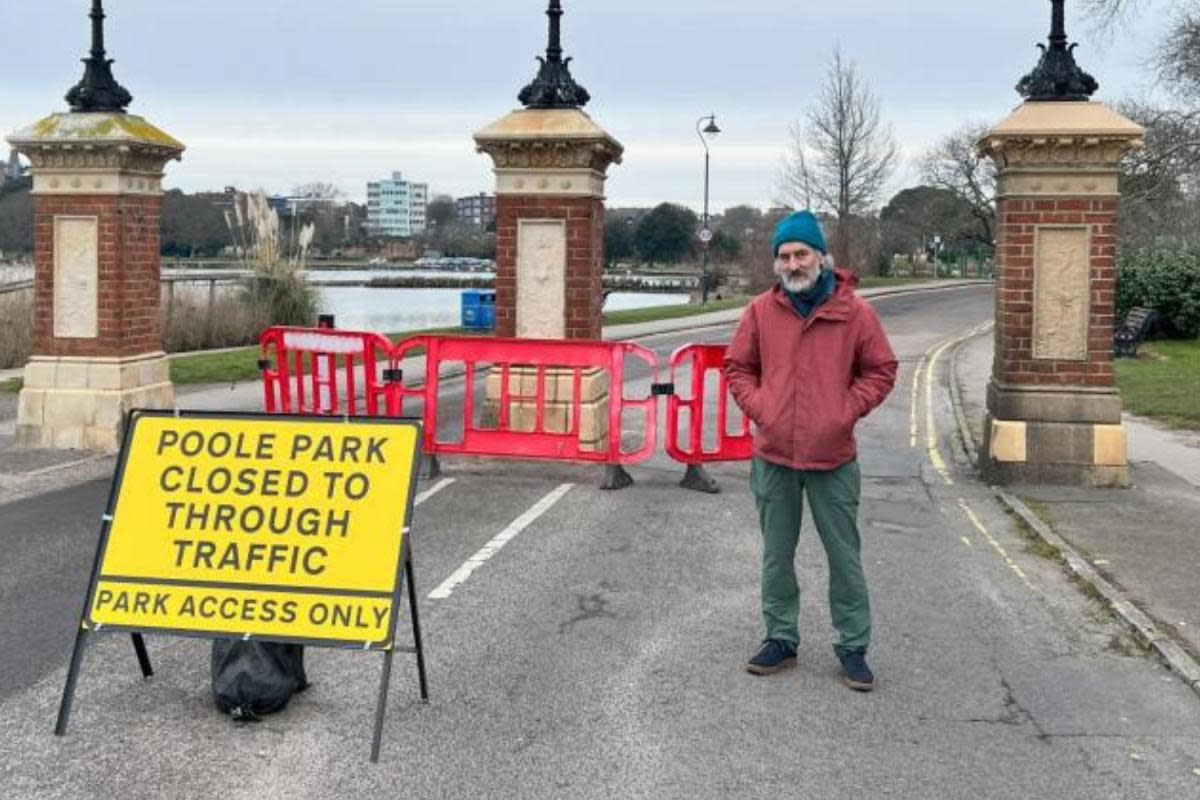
797,285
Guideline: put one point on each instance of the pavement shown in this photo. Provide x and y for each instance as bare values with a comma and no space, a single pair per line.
1143,541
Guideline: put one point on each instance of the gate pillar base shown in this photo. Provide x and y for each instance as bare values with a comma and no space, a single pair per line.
1060,436
80,403
559,402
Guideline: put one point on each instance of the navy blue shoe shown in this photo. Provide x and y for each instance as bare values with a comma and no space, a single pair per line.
855,672
774,655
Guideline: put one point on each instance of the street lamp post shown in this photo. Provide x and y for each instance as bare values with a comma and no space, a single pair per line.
709,131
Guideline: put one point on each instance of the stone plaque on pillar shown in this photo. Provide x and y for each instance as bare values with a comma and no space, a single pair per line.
1054,413
76,277
1060,293
541,278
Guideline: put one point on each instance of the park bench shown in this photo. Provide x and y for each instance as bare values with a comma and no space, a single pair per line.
1136,328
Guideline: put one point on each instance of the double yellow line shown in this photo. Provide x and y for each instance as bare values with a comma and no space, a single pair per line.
925,371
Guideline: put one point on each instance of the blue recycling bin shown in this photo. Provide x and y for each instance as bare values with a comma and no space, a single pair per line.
479,309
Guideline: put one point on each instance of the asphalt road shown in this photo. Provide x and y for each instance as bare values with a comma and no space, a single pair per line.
599,652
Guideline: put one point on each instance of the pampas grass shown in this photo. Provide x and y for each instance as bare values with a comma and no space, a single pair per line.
277,284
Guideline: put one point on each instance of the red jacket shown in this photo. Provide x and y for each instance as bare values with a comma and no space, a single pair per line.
806,382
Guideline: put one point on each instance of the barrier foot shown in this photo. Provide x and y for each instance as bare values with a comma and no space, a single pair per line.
696,478
615,477
431,468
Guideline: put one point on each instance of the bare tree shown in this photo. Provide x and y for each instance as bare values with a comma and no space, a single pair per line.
956,165
317,190
1107,14
1160,184
841,157
1177,56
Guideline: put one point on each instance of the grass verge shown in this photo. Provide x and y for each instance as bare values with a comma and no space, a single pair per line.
1163,383
224,367
12,385
671,312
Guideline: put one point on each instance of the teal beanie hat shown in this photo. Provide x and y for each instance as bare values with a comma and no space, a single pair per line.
801,226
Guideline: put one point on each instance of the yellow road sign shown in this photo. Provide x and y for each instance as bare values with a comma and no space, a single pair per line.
291,528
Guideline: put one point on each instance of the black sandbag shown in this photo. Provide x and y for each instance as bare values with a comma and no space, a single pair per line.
250,679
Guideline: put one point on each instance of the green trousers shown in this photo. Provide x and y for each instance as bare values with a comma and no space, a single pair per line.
833,499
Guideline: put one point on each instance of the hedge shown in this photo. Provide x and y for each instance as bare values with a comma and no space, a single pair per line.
1166,279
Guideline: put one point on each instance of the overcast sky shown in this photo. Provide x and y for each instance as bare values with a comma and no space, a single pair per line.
275,93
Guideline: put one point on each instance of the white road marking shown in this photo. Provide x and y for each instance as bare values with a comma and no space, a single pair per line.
432,490
498,541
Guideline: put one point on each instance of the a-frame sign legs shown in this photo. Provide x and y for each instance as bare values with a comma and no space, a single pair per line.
380,705
386,677
416,624
64,708
68,698
139,647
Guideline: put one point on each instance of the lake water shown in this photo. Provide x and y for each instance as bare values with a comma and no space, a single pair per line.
11,272
400,309
387,309
362,308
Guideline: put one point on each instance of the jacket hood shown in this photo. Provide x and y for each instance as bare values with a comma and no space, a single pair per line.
845,280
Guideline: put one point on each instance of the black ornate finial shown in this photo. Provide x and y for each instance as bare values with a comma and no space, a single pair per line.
98,90
554,87
1057,76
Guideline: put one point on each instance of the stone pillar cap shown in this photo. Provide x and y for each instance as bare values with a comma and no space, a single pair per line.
531,127
1064,119
105,129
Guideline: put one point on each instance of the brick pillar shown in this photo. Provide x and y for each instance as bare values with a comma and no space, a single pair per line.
1054,413
97,188
548,310
550,174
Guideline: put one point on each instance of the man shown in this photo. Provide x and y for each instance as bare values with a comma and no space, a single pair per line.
809,359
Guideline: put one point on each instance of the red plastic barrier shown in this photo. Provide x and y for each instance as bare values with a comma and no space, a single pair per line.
302,375
703,358
505,357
